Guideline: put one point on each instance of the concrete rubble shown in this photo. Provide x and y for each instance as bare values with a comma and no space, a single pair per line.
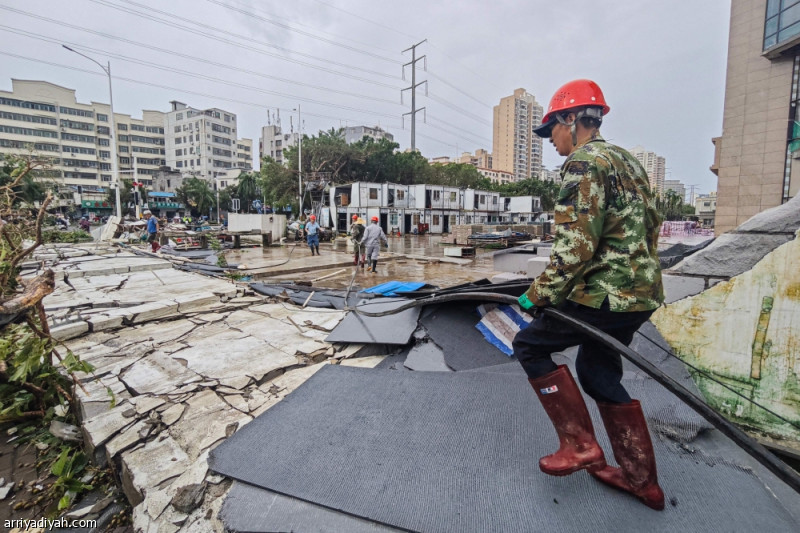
182,361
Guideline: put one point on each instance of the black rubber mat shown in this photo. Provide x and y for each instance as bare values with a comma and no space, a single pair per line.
443,452
249,509
390,329
452,328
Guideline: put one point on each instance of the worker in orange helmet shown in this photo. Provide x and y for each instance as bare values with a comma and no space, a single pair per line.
312,234
604,270
373,236
356,233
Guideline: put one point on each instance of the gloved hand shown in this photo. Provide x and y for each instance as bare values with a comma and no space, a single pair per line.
386,245
529,306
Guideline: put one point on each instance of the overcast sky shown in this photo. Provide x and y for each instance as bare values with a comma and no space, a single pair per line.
661,64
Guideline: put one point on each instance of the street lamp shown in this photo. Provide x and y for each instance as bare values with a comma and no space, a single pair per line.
114,160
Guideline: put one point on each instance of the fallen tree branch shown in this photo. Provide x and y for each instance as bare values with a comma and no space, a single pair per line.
38,288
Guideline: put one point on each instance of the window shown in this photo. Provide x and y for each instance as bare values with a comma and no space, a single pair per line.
65,123
105,153
106,142
122,149
436,196
178,140
373,193
28,118
76,112
179,116
27,105
137,127
494,200
483,198
122,127
106,178
124,138
103,130
177,129
782,22
179,164
105,166
453,196
124,160
179,152
414,219
435,220
401,194
393,219
102,118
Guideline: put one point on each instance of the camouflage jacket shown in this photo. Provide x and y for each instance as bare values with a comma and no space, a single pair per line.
606,234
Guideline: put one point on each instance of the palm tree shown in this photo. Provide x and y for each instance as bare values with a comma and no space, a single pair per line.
197,194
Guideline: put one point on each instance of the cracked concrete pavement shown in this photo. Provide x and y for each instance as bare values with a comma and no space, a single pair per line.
181,362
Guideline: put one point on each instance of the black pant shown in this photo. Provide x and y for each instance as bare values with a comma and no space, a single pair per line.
599,367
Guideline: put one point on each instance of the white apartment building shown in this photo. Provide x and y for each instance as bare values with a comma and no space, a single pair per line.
273,142
497,176
244,154
551,175
44,119
654,164
356,133
200,141
515,148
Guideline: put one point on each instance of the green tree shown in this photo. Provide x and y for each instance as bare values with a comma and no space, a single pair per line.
669,205
197,195
247,189
278,183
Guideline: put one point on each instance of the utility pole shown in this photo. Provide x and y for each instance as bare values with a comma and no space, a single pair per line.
413,89
299,163
691,193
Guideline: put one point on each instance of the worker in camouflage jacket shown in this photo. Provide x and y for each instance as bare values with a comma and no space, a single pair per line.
604,270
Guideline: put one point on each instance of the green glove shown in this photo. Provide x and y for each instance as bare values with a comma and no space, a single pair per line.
524,302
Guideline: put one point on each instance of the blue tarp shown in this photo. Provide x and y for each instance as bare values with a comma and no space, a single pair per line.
391,288
161,194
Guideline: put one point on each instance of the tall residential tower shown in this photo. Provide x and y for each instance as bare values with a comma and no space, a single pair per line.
515,148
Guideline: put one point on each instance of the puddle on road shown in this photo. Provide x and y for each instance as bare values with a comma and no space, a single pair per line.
332,256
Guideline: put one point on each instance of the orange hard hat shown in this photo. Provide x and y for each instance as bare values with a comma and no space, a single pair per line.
577,93
374,219
355,217
313,217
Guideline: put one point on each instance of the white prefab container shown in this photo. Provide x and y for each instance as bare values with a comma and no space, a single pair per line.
263,224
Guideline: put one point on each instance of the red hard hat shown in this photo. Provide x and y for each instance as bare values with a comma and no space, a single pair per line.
374,219
355,217
313,217
577,93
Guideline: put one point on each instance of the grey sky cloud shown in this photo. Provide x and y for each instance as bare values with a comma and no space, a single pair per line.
660,64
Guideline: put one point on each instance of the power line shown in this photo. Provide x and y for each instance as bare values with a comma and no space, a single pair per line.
459,109
307,34
316,30
213,28
258,105
177,89
355,15
174,69
433,75
468,132
122,39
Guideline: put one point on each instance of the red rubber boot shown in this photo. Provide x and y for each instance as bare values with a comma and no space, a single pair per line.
633,450
563,403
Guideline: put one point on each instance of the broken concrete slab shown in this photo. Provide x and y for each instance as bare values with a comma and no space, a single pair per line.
206,421
69,331
173,414
156,373
127,438
146,467
100,428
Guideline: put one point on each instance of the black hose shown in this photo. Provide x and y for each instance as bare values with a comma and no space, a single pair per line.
750,445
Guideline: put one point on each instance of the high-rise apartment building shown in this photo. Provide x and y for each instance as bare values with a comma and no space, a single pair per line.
757,157
515,148
273,142
356,133
47,120
654,164
200,141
